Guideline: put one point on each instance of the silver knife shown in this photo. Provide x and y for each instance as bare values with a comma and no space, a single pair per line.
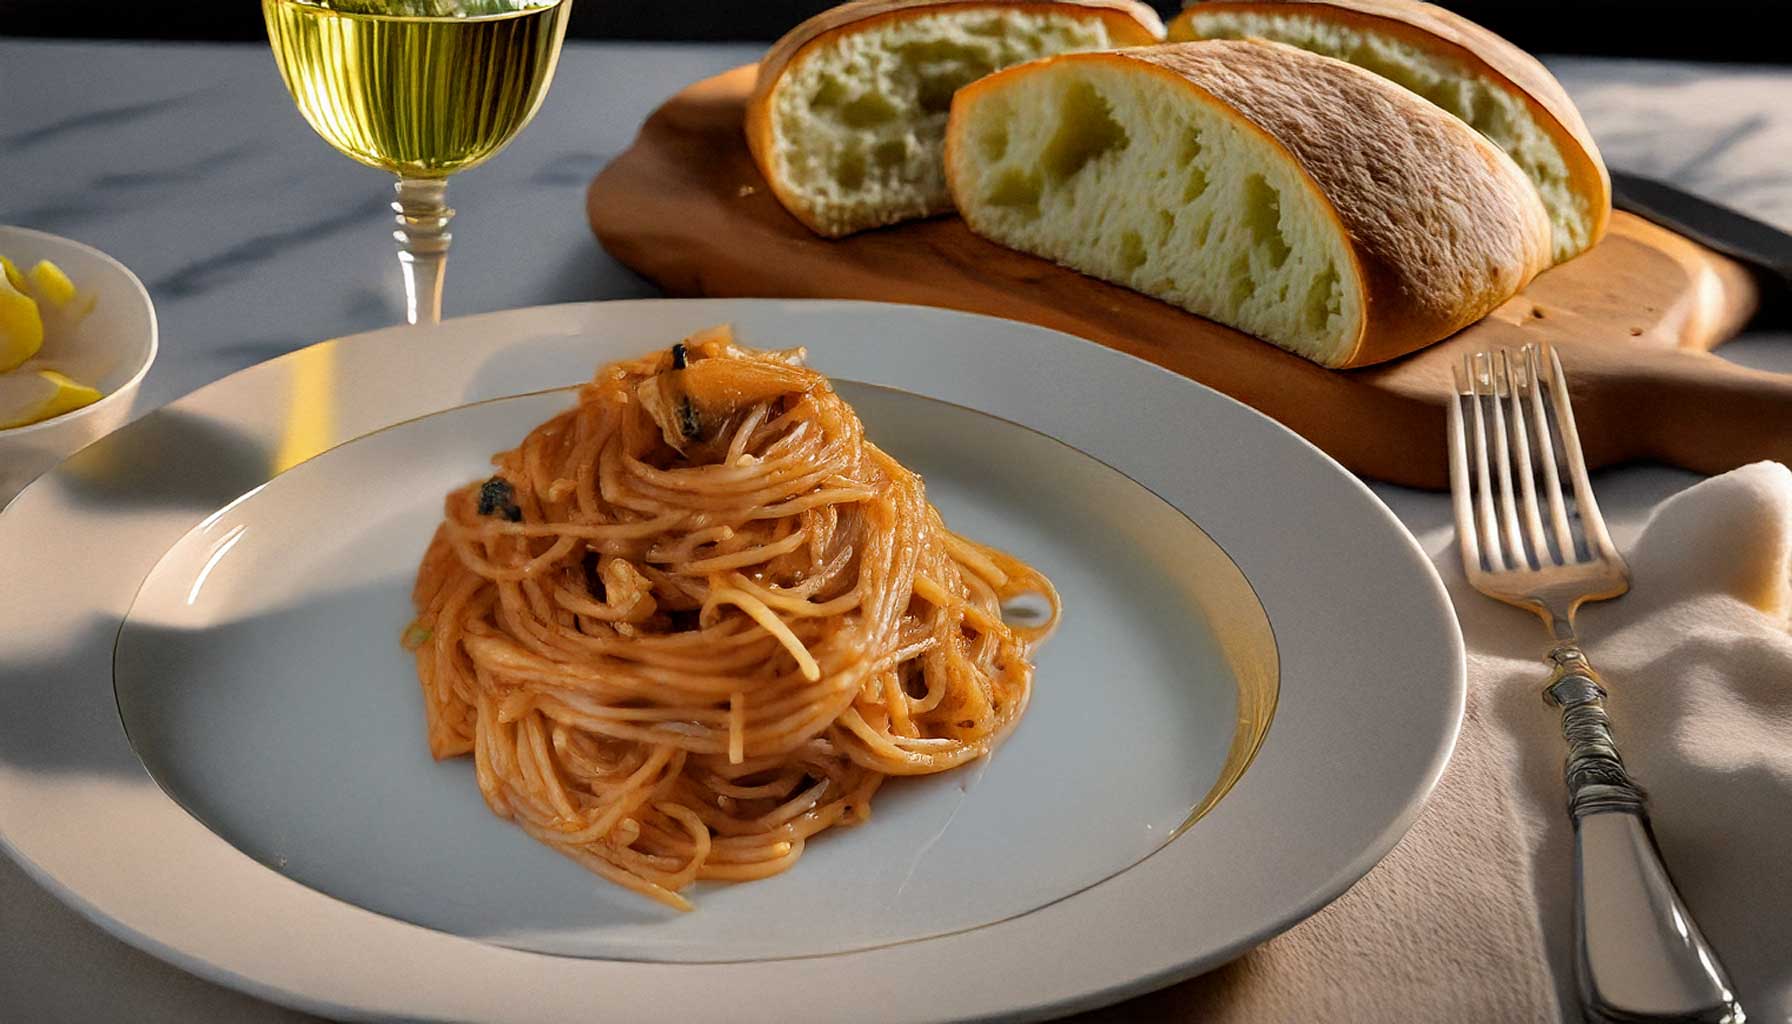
1763,248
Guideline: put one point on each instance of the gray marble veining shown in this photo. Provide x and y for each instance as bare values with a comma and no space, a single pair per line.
189,163
1722,132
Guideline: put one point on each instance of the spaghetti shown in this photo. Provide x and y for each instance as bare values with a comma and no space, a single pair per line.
698,618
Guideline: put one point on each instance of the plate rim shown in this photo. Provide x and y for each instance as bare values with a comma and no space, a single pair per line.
587,318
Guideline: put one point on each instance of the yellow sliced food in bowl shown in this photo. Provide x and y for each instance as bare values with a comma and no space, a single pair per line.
27,398
51,285
21,325
14,276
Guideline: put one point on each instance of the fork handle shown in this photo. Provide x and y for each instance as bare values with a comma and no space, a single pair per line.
1640,957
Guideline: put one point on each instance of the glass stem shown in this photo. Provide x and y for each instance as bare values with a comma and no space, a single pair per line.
422,236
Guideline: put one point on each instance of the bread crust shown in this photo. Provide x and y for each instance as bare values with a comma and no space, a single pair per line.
1442,226
1449,34
1129,23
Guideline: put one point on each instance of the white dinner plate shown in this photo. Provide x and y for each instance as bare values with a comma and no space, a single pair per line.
212,745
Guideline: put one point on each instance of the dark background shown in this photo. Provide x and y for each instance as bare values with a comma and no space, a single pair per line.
1724,30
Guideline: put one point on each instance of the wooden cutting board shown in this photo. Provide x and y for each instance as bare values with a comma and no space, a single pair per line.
1634,319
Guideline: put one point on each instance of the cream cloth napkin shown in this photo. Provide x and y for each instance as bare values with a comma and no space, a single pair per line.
1470,917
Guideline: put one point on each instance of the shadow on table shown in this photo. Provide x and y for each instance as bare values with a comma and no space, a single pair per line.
1216,995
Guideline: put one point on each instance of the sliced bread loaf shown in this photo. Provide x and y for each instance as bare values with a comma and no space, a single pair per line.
849,110
1503,92
1292,196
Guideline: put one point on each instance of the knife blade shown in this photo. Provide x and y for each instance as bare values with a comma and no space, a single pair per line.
1763,248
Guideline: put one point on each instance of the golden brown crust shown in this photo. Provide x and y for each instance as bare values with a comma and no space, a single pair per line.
1448,34
1129,23
1442,225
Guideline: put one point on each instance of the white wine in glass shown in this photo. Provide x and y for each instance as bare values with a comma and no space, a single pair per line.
420,88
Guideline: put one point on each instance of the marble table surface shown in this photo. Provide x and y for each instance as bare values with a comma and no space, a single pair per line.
189,163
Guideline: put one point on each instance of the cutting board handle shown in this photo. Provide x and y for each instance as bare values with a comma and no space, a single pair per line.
1685,407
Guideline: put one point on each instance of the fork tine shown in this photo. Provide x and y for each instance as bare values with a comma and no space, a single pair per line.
1500,371
1519,385
1480,380
1459,478
1546,452
1598,541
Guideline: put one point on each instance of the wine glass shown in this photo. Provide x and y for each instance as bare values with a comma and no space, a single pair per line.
420,88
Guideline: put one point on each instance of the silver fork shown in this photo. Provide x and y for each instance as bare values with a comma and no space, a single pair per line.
1513,448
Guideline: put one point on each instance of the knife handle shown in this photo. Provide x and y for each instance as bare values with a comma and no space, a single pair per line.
1639,955
1764,248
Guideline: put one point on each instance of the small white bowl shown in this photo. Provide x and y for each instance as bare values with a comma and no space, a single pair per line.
111,349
